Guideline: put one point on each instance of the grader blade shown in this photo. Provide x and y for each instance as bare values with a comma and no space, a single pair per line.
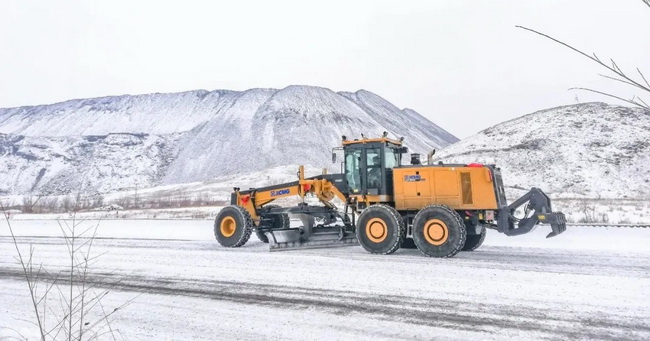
296,238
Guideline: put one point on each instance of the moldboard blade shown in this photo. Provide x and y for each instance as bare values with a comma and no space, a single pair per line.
313,243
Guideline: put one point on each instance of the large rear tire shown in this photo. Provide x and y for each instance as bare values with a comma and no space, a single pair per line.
439,231
233,226
474,241
380,229
280,221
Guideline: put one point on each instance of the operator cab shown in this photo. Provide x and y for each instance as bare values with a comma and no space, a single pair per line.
369,164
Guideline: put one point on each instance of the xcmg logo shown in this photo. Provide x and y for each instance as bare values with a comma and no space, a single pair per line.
413,178
280,192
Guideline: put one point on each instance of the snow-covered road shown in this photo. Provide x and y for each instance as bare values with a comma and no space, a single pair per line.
589,283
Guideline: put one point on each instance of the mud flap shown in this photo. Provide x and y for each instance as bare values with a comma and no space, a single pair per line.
540,205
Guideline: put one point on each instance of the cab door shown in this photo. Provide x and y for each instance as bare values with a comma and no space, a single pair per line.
364,170
353,170
374,169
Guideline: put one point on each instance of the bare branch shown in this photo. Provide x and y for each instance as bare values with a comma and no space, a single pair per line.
47,291
596,57
642,76
25,271
615,79
108,323
614,68
106,316
72,267
22,337
84,280
642,105
72,295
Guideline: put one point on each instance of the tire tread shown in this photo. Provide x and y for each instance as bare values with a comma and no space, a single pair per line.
477,243
391,211
248,225
461,224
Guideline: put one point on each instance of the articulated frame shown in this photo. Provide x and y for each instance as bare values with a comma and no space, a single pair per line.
321,186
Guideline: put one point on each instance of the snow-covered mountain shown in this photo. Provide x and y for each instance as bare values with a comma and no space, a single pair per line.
585,150
112,143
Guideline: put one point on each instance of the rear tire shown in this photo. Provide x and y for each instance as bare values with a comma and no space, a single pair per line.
474,241
280,221
439,231
380,229
233,226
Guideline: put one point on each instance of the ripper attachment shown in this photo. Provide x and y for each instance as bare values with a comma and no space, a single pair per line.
537,210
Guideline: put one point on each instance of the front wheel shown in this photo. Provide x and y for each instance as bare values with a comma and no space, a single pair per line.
233,226
380,229
439,231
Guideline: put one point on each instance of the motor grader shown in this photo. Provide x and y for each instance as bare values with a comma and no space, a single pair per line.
439,208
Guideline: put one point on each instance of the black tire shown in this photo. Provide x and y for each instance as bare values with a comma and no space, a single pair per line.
281,221
439,231
408,243
262,236
233,226
472,242
380,229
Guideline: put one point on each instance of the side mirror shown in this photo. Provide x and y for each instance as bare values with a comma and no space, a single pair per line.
402,150
333,157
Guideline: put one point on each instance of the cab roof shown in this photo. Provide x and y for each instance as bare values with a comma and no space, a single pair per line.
367,140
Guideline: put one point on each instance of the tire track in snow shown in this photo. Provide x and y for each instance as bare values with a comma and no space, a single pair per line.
443,313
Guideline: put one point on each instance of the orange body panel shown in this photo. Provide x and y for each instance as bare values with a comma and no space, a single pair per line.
461,188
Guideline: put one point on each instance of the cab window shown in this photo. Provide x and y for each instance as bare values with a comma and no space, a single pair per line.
373,167
353,169
392,158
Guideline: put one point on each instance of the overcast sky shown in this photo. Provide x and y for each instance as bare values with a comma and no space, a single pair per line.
461,64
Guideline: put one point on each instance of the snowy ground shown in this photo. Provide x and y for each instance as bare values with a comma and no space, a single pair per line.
589,283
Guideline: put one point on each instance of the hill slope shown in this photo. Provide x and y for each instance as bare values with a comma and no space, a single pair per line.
112,143
584,150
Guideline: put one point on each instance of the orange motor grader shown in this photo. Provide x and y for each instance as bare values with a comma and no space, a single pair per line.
439,209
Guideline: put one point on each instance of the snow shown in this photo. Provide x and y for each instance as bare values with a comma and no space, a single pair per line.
591,150
115,143
589,283
55,165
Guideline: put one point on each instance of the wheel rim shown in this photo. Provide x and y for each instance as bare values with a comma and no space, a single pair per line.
436,232
228,226
376,230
